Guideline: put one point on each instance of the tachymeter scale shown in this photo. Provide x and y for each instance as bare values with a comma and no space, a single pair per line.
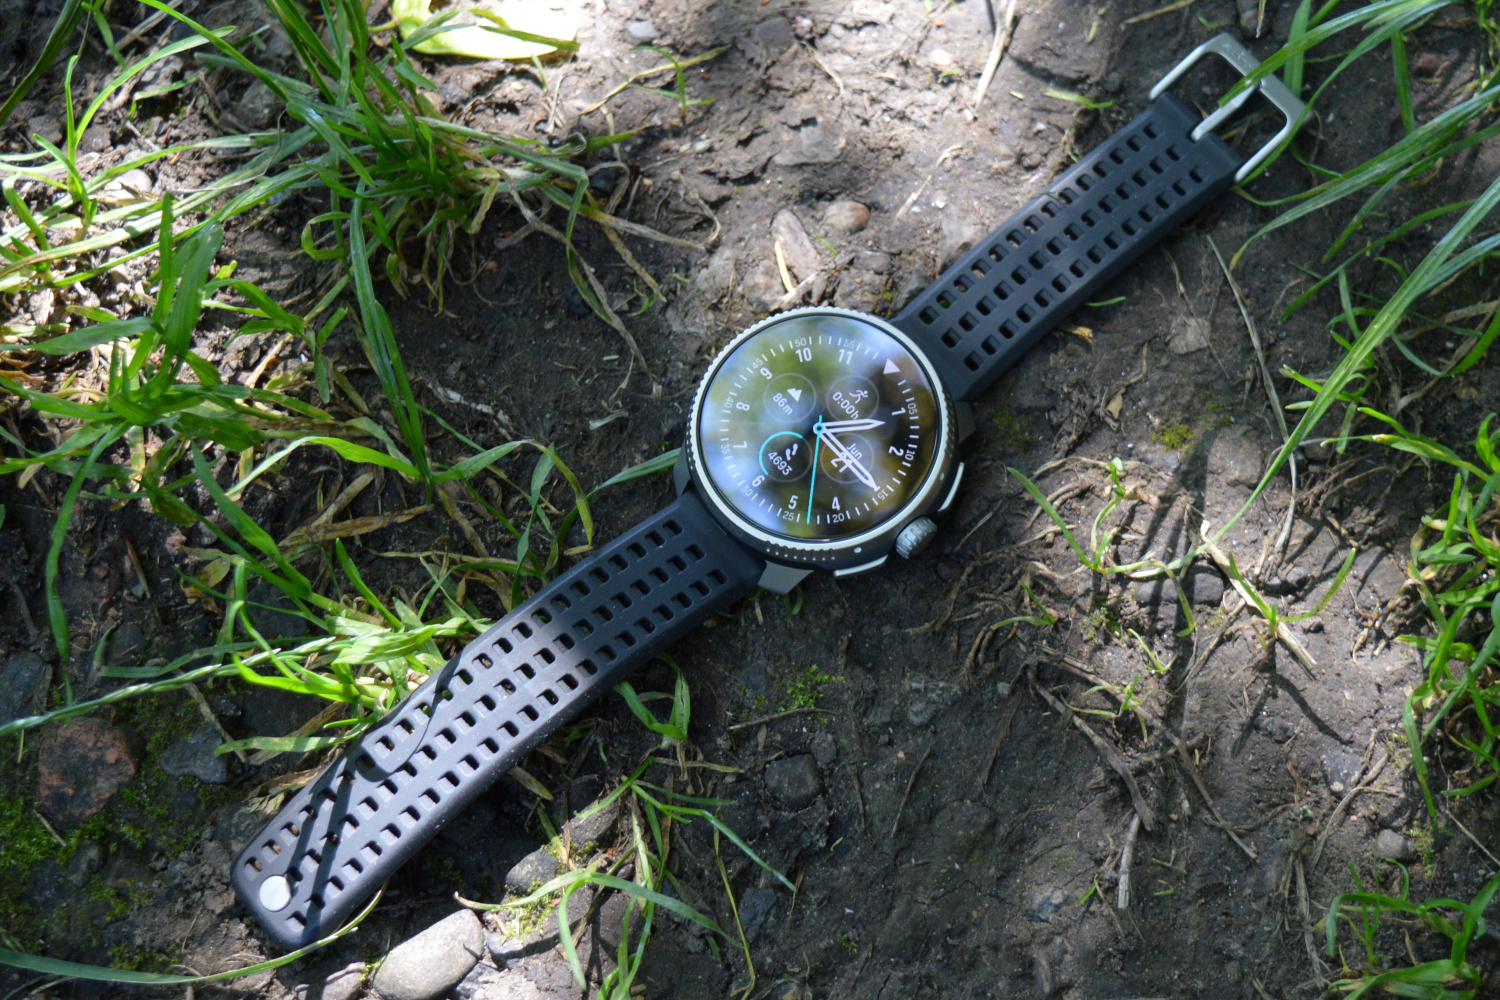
818,427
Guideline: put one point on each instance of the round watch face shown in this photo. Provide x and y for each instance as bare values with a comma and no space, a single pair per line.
818,426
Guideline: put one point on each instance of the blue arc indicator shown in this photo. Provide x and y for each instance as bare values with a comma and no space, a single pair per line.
761,455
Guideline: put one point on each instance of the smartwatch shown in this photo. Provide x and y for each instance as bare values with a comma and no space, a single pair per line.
819,439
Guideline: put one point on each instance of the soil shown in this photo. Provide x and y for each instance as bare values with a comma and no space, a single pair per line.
952,831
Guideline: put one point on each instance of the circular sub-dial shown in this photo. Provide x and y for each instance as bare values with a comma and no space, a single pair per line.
834,458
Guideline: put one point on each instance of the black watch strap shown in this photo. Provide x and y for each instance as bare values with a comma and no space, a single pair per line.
340,836
987,310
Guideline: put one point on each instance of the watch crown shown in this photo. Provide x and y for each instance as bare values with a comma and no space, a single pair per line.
915,537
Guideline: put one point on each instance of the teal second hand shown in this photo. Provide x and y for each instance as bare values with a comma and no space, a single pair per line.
813,486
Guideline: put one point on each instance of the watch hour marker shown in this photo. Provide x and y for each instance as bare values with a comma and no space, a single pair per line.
890,367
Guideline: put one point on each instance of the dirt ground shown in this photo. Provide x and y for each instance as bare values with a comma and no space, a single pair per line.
951,833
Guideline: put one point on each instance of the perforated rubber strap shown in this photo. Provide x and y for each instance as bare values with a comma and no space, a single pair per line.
988,309
338,838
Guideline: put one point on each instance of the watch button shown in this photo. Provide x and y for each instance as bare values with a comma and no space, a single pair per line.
915,537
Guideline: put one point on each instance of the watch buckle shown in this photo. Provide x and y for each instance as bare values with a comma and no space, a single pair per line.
1278,93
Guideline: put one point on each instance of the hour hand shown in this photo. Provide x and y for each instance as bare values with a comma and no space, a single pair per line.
845,457
850,426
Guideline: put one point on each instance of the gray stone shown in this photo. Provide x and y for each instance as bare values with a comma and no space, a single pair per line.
597,828
717,276
1188,334
87,861
802,258
794,781
234,825
824,749
755,909
125,646
1391,846
194,757
95,139
875,263
846,218
258,106
48,126
812,144
269,609
1340,767
857,290
1046,904
341,984
487,983
762,287
1206,587
1237,456
23,682
641,31
957,234
538,866
1150,593
921,711
433,962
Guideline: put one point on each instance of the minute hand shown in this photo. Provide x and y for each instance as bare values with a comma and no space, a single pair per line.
850,426
847,457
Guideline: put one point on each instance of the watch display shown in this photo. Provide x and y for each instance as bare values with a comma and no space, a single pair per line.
818,426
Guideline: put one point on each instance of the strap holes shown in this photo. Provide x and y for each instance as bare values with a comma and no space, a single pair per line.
972,362
985,306
928,315
950,339
529,712
967,321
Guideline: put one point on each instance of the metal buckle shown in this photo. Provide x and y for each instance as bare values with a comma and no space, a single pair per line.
1232,52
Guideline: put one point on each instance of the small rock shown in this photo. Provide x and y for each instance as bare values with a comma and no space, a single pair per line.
1005,155
641,31
824,749
875,263
1046,904
1150,593
80,766
234,825
717,276
95,139
1391,846
1031,159
857,290
957,235
194,757
812,144
258,106
23,683
47,126
597,828
1188,334
342,984
762,287
126,645
921,711
802,258
1275,727
486,983
1237,456
87,862
1340,767
1206,587
269,607
755,909
794,781
433,962
538,866
940,58
846,218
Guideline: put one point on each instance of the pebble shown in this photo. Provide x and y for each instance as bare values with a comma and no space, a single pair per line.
1188,334
597,828
1046,904
875,263
794,781
23,682
433,962
824,749
1236,456
258,106
342,984
1391,846
802,258
755,910
762,287
717,276
538,866
957,234
95,139
921,711
194,757
641,31
80,766
87,862
846,218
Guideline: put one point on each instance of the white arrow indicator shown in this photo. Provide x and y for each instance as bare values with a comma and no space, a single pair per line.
890,367
795,394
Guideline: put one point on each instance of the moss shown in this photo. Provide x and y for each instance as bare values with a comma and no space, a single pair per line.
846,943
1013,431
804,690
1177,437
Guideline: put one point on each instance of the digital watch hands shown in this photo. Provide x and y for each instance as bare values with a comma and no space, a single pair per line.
749,513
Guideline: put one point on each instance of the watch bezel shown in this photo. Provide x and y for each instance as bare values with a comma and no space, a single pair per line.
830,553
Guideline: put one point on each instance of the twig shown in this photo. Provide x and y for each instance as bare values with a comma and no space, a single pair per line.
910,783
997,52
813,54
943,157
48,826
1127,856
1304,911
1362,782
1283,633
1002,730
772,718
1108,752
1493,860
1222,823
1160,11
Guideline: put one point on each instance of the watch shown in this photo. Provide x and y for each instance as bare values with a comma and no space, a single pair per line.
819,439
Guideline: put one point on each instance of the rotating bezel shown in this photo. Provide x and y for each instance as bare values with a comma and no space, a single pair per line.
836,553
